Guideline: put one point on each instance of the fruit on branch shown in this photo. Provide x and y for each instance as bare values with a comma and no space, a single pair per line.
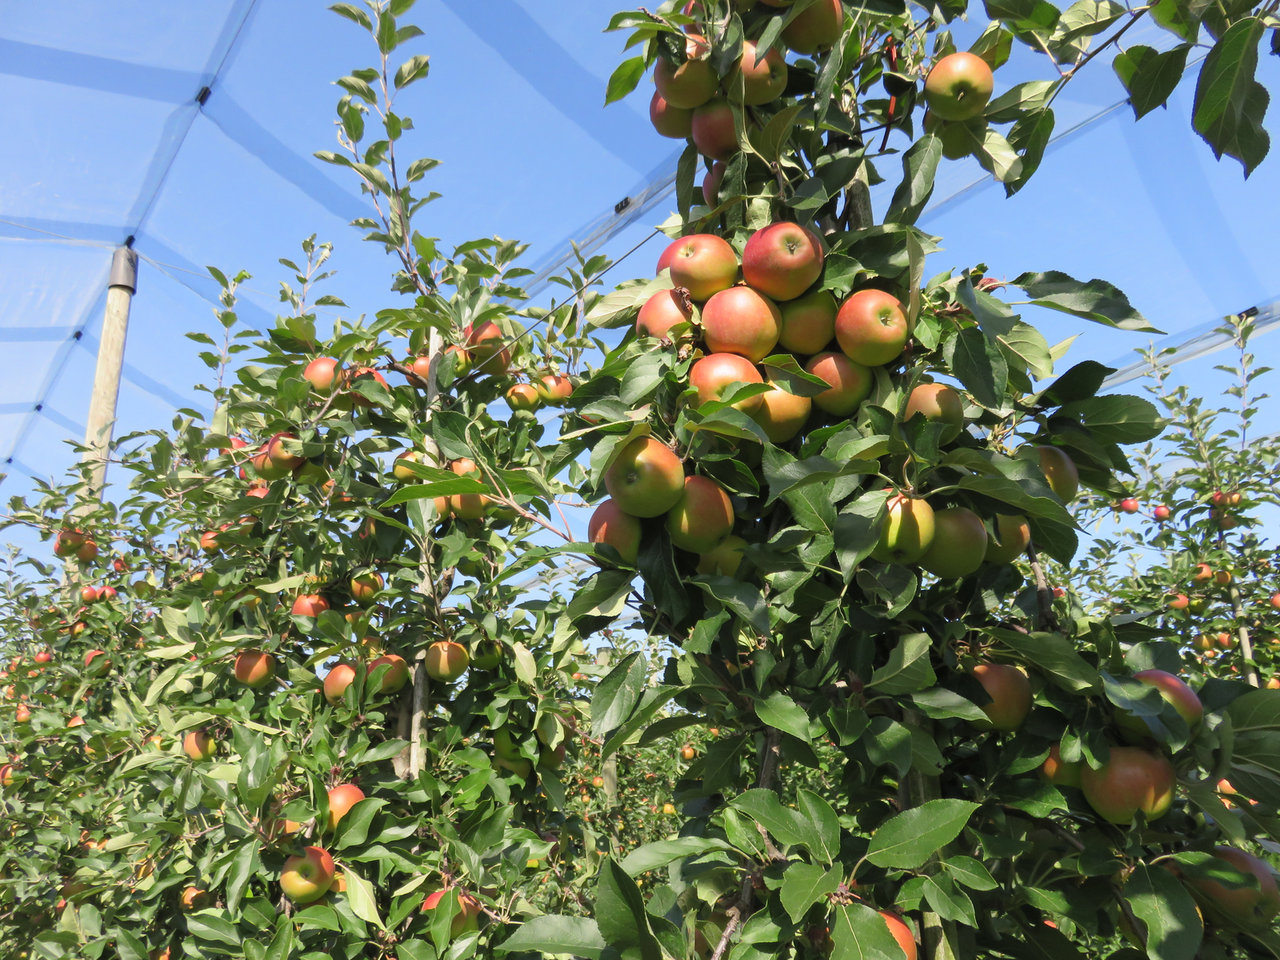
740,320
1132,779
485,345
959,543
322,373
446,660
610,525
713,130
703,264
1162,513
504,745
341,799
661,312
401,472
365,587
277,451
96,663
1251,908
337,680
553,388
712,375
907,532
724,560
781,415
307,876
782,260
486,655
1175,691
754,80
193,898
690,84
688,753
646,478
871,328
816,29
668,120
468,506
352,398
254,668
1225,640
956,144
901,932
463,362
850,383
397,674
523,396
937,403
1129,505
88,551
1060,470
266,468
959,86
89,593
702,517
1179,602
1222,578
1059,772
22,714
1010,693
67,542
808,323
712,179
552,759
199,745
309,605
1203,573
467,917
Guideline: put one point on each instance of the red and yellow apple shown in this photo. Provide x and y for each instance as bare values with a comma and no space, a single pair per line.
756,80
646,479
1012,536
908,530
1010,693
660,313
341,799
446,660
724,560
816,29
714,133
781,415
1059,772
937,403
808,323
1131,780
959,86
714,374
610,525
337,680
1060,471
850,383
702,517
397,674
668,120
703,264
959,543
782,260
254,668
740,320
871,328
307,876
199,745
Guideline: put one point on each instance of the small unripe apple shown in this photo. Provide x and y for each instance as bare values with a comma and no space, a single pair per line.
403,473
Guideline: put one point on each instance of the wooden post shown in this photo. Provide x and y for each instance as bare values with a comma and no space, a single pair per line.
106,379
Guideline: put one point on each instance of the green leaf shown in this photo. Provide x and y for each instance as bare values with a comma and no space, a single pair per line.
941,703
909,839
786,825
997,156
860,933
282,943
970,872
1020,100
1053,654
782,713
1095,300
1029,138
976,361
362,897
803,885
1150,75
620,912
1118,418
1162,903
1229,102
908,668
743,599
919,166
820,815
604,595
353,13
415,68
551,934
653,856
625,77
618,693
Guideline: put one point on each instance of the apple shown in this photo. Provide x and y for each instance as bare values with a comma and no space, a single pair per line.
646,478
661,312
462,362
907,532
808,322
193,898
724,559
1010,693
67,542
782,260
258,490
754,80
1275,601
815,29
1179,602
597,782
446,660
1225,640
1273,683
901,932
937,403
337,680
1175,691
740,320
781,415
956,143
1058,771
107,593
523,396
504,745
96,663
485,344
1203,573
322,373
703,264
1131,780
467,917
88,551
265,468
553,388
1252,908
353,399
1204,642
307,876
959,543
420,366
670,121
486,655
278,453
309,605
871,328
22,714
619,530
1162,513
959,86
850,383
397,675
199,745
365,587
1060,471
44,656
403,473
714,132
715,374
689,84
1222,578
89,594
254,668
713,178
1129,505
552,759
1218,498
702,517
468,506
6,774
341,799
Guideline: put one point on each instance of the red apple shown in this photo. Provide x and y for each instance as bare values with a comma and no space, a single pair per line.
937,403
87,552
740,320
485,344
553,388
1131,780
669,121
446,660
465,919
901,932
959,86
1058,771
1275,601
646,479
808,323
199,745
309,605
907,532
397,674
254,668
279,454
724,560
96,663
690,84
1060,471
816,29
1252,908
1129,505
307,876
67,542
1203,573
1175,691
850,383
713,178
755,81
266,468
714,133
619,530
782,260
781,415
1162,513
713,375
322,373
661,312
89,593
468,506
337,680
702,517
1010,693
341,799
959,543
1179,602
703,264
871,328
